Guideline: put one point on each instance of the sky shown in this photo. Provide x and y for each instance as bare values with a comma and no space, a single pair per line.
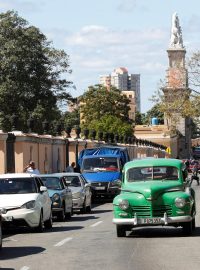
101,35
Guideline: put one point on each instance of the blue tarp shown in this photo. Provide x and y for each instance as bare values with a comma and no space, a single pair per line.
112,150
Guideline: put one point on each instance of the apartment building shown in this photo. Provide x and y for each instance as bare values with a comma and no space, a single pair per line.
129,84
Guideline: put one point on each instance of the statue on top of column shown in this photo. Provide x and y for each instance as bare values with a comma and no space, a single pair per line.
176,41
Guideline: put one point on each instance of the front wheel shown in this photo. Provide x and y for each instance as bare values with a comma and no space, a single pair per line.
48,223
187,227
121,231
40,226
0,237
61,214
83,209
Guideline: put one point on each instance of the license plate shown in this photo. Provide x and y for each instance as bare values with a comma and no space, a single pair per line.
151,220
99,188
7,218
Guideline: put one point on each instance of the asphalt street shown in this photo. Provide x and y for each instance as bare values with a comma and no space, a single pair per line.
88,241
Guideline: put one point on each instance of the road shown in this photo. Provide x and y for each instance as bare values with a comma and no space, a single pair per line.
89,242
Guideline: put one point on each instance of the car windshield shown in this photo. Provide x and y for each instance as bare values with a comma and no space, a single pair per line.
52,182
100,164
17,186
73,181
152,173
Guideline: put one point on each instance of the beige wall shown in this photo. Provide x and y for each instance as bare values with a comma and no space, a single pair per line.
3,138
49,153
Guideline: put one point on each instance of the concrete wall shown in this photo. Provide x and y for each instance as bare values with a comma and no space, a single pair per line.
50,153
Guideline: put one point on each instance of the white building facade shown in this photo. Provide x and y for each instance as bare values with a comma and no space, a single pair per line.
127,83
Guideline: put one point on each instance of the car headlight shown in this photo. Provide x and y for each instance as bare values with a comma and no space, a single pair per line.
124,204
180,202
115,183
29,205
76,195
56,197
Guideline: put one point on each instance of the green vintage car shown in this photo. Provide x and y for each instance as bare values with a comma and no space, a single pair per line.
154,192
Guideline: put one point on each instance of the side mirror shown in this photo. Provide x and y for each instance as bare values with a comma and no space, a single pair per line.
43,188
3,211
88,185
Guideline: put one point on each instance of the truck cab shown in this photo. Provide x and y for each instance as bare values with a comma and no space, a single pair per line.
102,167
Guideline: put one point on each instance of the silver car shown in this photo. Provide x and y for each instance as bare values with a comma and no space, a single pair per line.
81,191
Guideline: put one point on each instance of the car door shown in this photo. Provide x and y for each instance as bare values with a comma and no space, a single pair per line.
86,189
44,199
68,196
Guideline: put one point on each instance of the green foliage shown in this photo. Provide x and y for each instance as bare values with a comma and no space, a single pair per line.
30,73
110,123
145,118
71,119
154,112
98,101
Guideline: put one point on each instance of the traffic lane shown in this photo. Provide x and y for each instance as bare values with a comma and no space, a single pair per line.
21,240
97,247
144,248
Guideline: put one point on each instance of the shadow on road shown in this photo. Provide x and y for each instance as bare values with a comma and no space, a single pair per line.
160,232
9,253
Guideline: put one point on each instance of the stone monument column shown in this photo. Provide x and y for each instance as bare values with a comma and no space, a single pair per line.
176,88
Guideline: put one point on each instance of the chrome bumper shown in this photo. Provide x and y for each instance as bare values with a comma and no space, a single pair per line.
140,221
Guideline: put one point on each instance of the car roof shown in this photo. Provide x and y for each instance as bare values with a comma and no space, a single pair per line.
154,162
101,156
67,174
48,175
18,175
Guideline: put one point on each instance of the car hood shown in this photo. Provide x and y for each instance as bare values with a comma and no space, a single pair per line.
101,176
16,200
152,189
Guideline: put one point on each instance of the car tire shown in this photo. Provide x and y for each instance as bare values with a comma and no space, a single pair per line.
69,214
83,210
61,214
193,224
187,228
48,223
40,227
0,237
121,231
88,208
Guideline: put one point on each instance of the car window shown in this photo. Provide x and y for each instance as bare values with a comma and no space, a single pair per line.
17,185
52,182
152,173
73,181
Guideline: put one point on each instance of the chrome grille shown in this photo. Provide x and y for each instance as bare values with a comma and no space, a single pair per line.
99,184
152,211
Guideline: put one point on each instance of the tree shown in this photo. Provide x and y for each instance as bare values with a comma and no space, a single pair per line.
31,71
98,102
112,124
154,112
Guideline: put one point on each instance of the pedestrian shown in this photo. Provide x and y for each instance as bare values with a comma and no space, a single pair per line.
195,166
30,168
71,167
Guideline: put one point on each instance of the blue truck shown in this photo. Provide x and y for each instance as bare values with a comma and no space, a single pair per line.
102,167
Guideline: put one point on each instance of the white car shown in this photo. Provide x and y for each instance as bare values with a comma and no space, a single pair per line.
81,190
26,201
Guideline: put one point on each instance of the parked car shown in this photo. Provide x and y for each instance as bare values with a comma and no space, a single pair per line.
81,191
60,194
25,200
154,192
